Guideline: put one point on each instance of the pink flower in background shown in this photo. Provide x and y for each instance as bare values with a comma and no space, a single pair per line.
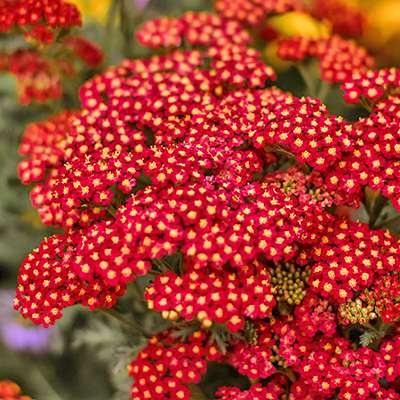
141,3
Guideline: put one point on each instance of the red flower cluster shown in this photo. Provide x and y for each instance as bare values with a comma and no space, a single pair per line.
48,282
37,78
166,364
220,296
54,13
84,49
11,391
40,34
349,258
119,150
173,168
345,19
308,188
43,23
252,12
339,58
371,86
255,392
195,28
45,142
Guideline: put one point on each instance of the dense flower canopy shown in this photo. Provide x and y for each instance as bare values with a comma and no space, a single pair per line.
190,167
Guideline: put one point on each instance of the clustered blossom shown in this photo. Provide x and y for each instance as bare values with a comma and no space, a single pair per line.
196,28
84,49
172,169
53,13
334,272
371,85
321,366
36,76
11,391
166,364
345,19
315,314
142,101
374,159
309,188
39,78
338,58
218,296
234,63
44,23
45,143
40,35
252,12
255,392
48,283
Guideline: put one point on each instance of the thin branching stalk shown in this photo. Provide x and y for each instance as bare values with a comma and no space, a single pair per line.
133,326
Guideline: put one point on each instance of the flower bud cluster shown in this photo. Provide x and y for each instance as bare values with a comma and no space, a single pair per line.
289,281
355,311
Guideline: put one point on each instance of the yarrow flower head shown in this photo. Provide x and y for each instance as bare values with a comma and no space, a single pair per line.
45,25
252,12
339,58
166,364
53,13
187,167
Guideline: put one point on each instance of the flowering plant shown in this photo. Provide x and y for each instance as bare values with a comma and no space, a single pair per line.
51,49
224,192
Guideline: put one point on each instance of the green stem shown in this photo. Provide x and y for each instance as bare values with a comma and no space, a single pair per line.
127,14
388,221
164,267
323,90
196,392
119,198
111,18
130,324
154,272
365,104
181,263
111,210
306,73
376,209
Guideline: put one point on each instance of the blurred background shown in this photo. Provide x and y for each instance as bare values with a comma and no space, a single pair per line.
84,356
